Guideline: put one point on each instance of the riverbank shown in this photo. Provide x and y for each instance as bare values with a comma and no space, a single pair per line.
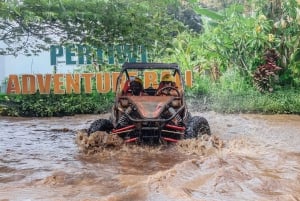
37,105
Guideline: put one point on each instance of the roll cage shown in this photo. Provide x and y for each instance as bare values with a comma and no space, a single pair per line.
126,67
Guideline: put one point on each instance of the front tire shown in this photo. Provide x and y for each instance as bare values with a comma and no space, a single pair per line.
201,126
189,131
196,127
100,125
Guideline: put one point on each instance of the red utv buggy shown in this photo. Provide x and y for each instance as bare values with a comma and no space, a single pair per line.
146,111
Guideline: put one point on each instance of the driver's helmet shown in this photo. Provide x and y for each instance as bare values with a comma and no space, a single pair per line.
167,78
136,86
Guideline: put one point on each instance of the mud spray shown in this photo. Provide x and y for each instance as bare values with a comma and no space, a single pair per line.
100,142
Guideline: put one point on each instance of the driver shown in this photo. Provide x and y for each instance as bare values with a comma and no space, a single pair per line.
136,86
167,81
133,87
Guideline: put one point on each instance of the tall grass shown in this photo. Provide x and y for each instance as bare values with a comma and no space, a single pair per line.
233,94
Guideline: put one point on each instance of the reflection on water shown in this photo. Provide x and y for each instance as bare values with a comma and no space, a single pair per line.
253,157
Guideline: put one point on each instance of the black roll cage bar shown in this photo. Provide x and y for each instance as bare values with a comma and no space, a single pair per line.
147,66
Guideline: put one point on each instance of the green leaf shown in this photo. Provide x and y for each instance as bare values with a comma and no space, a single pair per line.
296,56
209,13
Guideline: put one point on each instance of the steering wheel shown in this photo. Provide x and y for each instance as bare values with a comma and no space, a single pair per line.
168,88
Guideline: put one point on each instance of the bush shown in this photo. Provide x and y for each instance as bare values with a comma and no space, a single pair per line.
38,105
232,93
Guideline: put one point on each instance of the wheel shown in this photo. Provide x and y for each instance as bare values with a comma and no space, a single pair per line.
189,131
168,88
100,125
200,126
196,127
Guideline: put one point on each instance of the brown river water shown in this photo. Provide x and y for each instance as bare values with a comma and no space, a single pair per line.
249,158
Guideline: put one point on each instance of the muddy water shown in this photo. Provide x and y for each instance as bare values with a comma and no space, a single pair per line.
257,158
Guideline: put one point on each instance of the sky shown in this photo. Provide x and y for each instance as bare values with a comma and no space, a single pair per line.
30,65
66,59
33,64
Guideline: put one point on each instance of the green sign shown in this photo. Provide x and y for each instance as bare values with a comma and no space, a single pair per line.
84,54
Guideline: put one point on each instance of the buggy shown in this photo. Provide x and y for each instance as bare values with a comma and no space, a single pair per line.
145,112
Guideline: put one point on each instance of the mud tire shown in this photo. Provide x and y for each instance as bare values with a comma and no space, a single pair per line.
189,132
196,127
100,125
201,126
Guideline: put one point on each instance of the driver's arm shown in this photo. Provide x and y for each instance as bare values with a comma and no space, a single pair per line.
169,92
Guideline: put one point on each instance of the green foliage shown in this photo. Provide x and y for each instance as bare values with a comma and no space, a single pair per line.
286,102
28,27
285,17
224,58
295,66
265,74
241,41
38,105
208,13
238,41
233,94
182,51
230,82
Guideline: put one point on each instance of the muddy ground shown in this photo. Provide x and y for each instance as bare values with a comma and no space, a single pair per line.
249,157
